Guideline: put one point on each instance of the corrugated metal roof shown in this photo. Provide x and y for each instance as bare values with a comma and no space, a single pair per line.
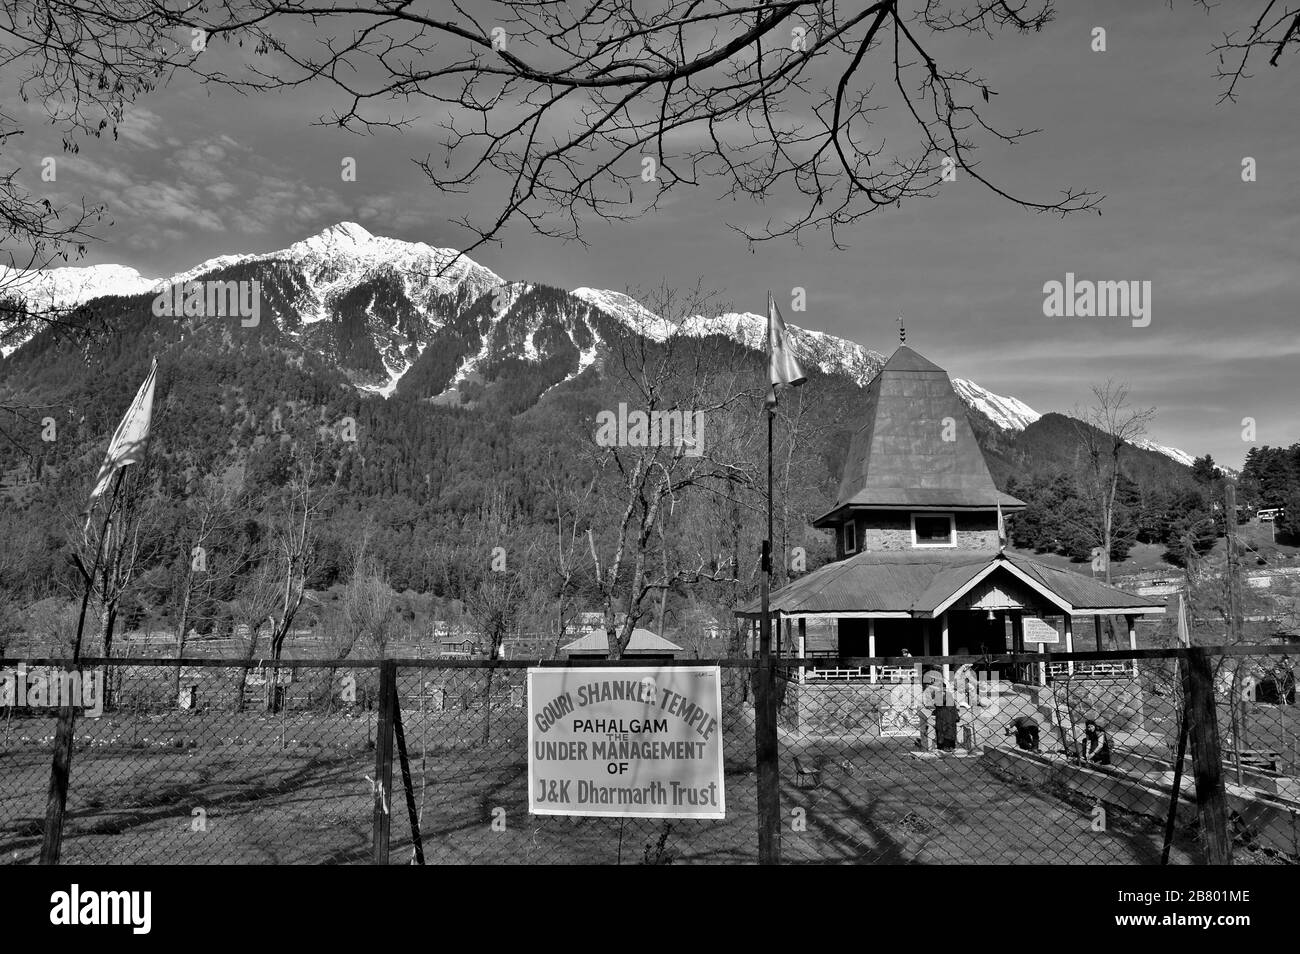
1081,592
641,641
872,582
945,583
918,583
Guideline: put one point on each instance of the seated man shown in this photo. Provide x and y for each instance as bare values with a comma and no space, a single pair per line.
938,696
1026,732
1096,743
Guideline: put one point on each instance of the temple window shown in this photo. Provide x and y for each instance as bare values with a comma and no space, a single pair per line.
934,530
850,537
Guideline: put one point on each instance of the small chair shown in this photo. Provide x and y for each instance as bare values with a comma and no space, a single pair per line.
806,778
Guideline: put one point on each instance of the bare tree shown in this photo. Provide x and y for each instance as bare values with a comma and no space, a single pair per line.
571,499
366,613
1275,30
10,617
295,514
78,65
210,514
607,108
495,603
799,438
643,475
1103,430
274,594
252,610
369,606
494,608
130,545
53,623
602,108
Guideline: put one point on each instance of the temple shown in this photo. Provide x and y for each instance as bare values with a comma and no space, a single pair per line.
919,564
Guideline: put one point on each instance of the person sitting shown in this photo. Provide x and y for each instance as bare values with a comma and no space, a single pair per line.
1096,743
1025,730
965,685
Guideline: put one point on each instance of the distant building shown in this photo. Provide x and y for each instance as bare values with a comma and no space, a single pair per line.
454,639
643,644
589,622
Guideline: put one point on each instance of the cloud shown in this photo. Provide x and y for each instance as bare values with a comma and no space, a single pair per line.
276,202
140,127
157,203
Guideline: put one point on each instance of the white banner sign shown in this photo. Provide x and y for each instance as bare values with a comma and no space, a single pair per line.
635,743
1040,631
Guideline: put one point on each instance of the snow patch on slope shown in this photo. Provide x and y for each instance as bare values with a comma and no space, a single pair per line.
503,300
1008,413
1172,452
627,310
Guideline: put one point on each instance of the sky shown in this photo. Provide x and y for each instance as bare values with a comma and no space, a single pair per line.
197,173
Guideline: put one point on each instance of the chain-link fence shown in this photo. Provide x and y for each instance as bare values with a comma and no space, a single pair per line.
1068,761
1011,759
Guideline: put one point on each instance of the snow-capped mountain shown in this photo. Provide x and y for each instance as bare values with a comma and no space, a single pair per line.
434,325
346,255
339,260
70,286
56,289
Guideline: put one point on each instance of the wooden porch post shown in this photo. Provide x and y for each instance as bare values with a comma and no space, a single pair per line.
871,644
943,644
1096,624
925,649
803,645
1018,646
1069,642
1131,619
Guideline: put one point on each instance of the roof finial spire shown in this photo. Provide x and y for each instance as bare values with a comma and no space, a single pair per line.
902,332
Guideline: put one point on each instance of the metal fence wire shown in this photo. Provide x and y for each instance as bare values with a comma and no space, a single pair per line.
1056,759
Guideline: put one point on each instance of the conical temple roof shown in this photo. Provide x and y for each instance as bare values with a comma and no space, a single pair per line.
916,448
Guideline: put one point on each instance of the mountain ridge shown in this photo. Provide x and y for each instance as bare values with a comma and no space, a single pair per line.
376,305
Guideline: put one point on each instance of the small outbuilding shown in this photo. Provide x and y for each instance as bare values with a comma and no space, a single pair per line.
643,645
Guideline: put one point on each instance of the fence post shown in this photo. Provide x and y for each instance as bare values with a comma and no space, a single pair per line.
407,784
57,799
1207,760
383,780
765,751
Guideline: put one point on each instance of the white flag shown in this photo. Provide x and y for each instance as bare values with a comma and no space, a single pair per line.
131,436
783,368
1002,527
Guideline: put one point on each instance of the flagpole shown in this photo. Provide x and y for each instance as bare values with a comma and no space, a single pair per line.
127,446
769,799
56,800
765,625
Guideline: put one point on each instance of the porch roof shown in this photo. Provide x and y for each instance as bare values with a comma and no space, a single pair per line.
920,585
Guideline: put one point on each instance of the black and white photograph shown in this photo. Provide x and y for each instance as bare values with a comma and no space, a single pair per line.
651,432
